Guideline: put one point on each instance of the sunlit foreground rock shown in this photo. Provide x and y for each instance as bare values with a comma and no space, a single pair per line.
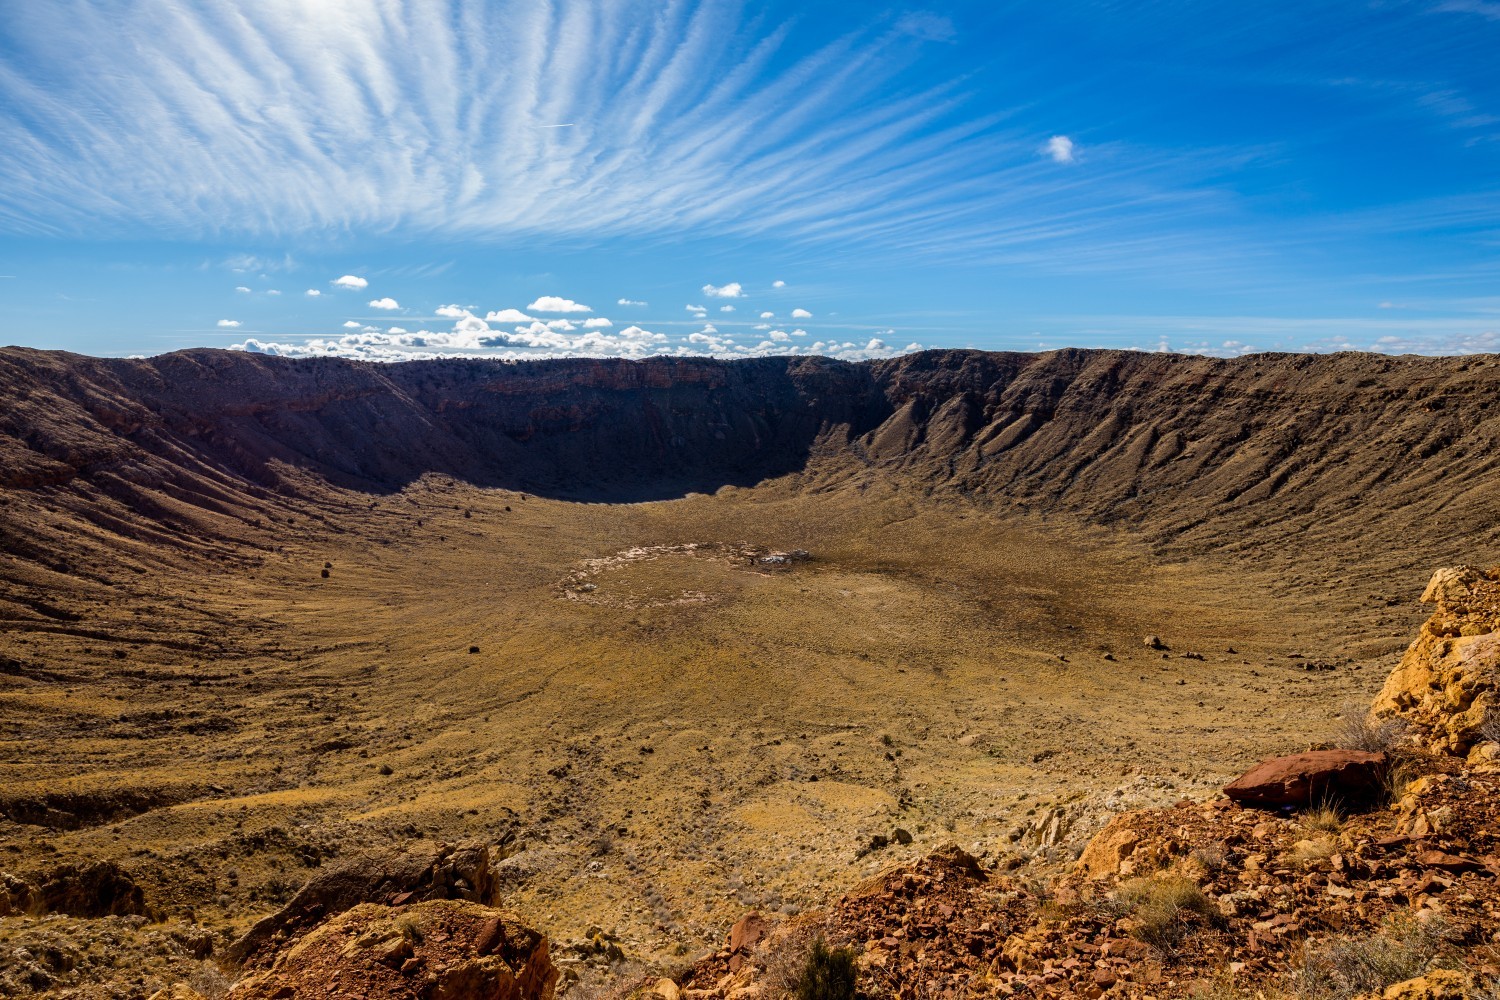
439,950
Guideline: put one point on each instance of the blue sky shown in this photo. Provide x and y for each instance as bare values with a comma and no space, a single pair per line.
389,179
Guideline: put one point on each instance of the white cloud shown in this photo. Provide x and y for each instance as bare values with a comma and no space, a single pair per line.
563,325
767,315
778,284
385,303
729,291
274,291
452,312
780,335
630,302
351,281
801,314
351,325
596,322
313,292
395,329
726,309
505,316
1060,148
243,290
698,310
554,304
229,323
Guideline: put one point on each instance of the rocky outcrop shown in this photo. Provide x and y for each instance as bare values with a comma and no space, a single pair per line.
437,950
1447,686
1343,778
1184,448
98,889
423,871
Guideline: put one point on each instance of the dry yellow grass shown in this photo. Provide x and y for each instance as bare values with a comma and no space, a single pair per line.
697,738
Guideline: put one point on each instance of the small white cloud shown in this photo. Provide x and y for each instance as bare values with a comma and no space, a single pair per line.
767,315
506,316
710,328
596,323
452,312
780,335
1060,148
274,291
243,290
386,303
778,284
554,304
630,302
351,281
351,325
733,290
562,325
313,292
801,314
726,309
395,329
698,310
229,323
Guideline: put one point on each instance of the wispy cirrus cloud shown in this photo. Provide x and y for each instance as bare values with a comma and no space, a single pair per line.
283,117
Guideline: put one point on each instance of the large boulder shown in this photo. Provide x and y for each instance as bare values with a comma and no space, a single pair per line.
438,950
1447,686
423,871
1346,777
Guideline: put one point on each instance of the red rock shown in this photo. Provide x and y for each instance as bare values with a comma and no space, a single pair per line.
1343,776
745,935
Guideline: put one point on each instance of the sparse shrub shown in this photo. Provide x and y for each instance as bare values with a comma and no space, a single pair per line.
1362,730
1405,948
1165,907
1213,857
1489,729
827,974
1487,989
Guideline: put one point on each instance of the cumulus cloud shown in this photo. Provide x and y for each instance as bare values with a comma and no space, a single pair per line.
507,316
395,329
313,292
778,284
698,310
630,302
801,314
229,323
596,322
733,290
1060,148
726,309
452,312
554,304
351,325
243,290
274,291
385,303
351,281
767,315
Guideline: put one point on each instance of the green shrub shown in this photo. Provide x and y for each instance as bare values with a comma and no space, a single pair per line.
828,974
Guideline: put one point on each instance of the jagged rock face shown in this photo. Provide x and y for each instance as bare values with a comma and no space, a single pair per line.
1448,683
424,871
99,889
1184,447
438,950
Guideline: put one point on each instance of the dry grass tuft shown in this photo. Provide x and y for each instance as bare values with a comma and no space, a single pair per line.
1326,818
1166,907
1363,730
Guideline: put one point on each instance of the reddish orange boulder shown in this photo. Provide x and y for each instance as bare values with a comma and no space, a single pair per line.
1343,777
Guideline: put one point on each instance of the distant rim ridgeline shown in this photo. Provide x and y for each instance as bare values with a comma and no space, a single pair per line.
1346,449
